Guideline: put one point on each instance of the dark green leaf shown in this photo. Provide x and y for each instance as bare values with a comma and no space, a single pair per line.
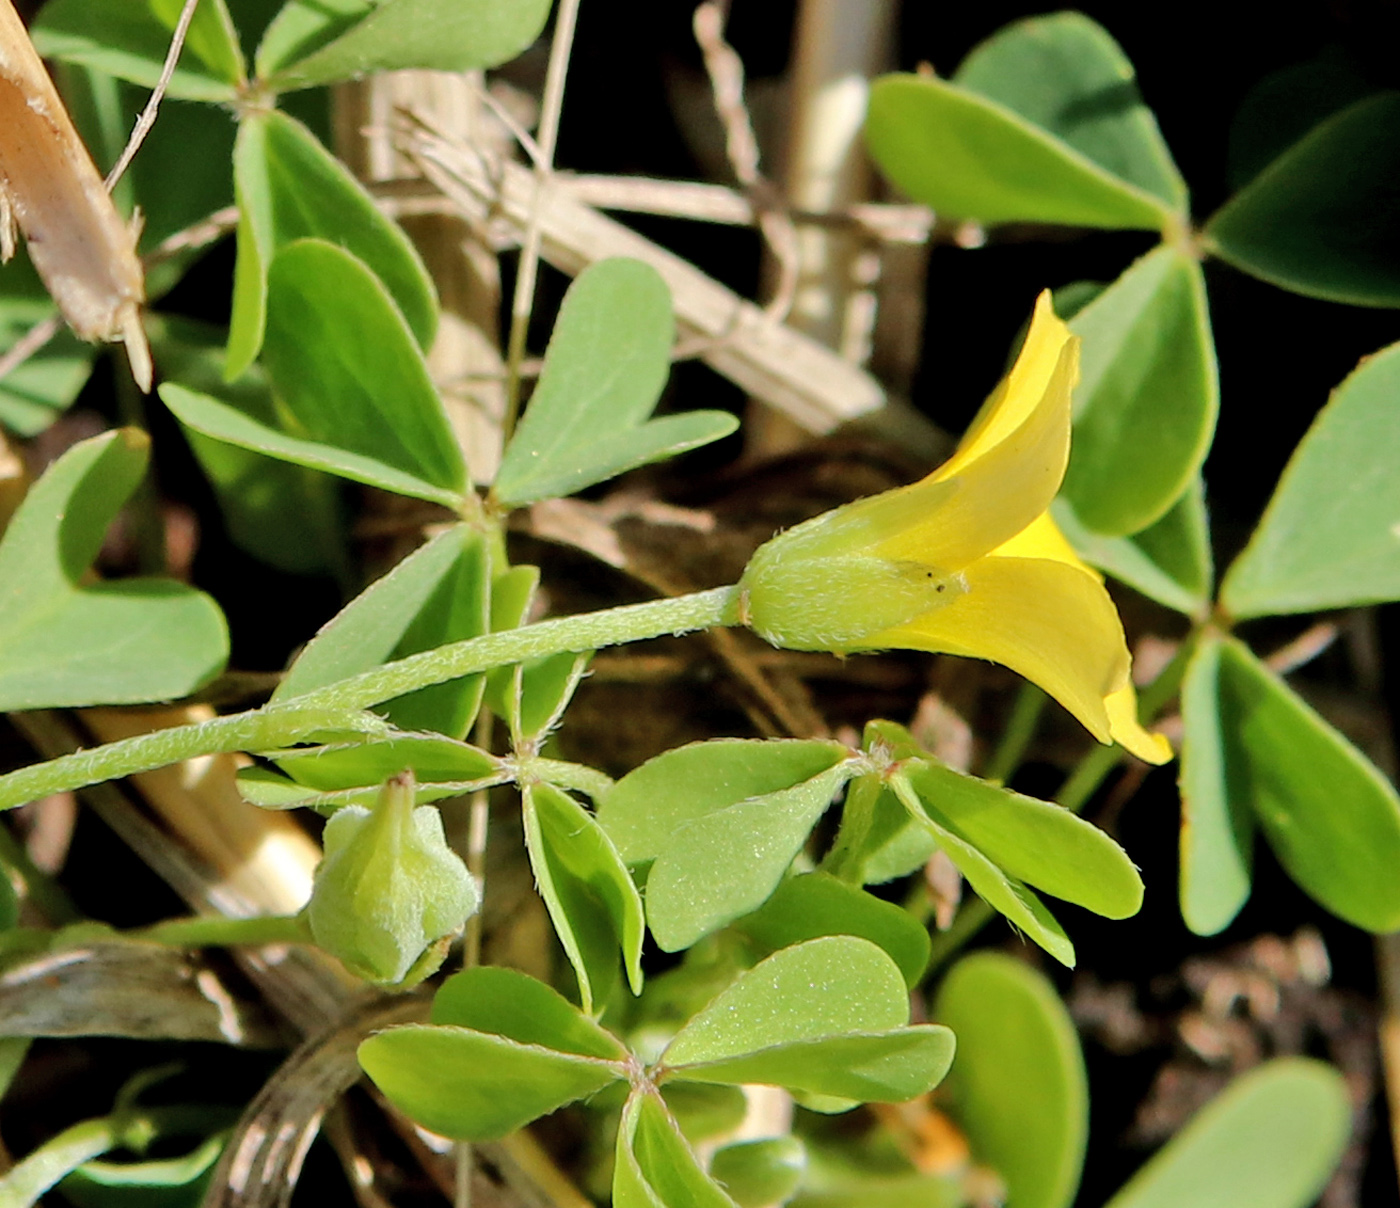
645,806
703,1111
505,1002
970,157
1147,398
1332,819
1034,841
1329,536
1217,824
229,425
439,35
1066,75
1285,105
472,1086
347,369
591,899
1321,219
129,40
817,904
1270,1141
607,362
725,864
290,187
759,1173
1003,893
1170,561
62,644
282,513
1018,1088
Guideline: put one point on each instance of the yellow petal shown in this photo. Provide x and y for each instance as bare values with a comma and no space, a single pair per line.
1129,733
1003,489
1043,539
1018,394
1049,622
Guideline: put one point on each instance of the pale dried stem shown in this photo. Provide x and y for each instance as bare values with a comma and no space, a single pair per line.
726,72
148,114
551,109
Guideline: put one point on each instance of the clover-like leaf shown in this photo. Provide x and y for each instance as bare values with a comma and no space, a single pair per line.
607,361
1269,1141
65,644
321,42
1018,1087
1147,397
591,899
1329,538
289,187
130,41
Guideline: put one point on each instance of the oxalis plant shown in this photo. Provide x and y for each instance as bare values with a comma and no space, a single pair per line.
748,860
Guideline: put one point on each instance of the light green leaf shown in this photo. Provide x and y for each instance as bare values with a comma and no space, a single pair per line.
1332,819
703,1111
877,1067
1270,1141
1169,561
221,422
694,781
1003,893
62,644
758,1173
1318,219
1034,841
971,157
1217,824
608,359
430,757
817,904
505,1002
301,27
129,40
1148,394
282,513
825,987
717,867
366,632
1018,1087
1331,535
437,35
1066,75
655,1168
158,1183
289,187
473,1086
591,899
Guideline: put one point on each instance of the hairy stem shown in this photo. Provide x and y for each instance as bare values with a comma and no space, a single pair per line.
286,722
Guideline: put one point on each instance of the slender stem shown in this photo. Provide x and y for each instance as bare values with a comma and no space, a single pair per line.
523,300
148,114
1020,729
216,932
279,724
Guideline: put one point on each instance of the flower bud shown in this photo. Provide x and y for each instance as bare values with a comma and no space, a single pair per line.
389,891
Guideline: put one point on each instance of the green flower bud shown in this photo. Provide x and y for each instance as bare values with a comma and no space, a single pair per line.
389,891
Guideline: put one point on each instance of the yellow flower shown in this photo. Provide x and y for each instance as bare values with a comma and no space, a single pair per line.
968,561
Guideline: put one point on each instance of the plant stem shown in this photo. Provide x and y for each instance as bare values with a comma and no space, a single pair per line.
287,722
215,932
